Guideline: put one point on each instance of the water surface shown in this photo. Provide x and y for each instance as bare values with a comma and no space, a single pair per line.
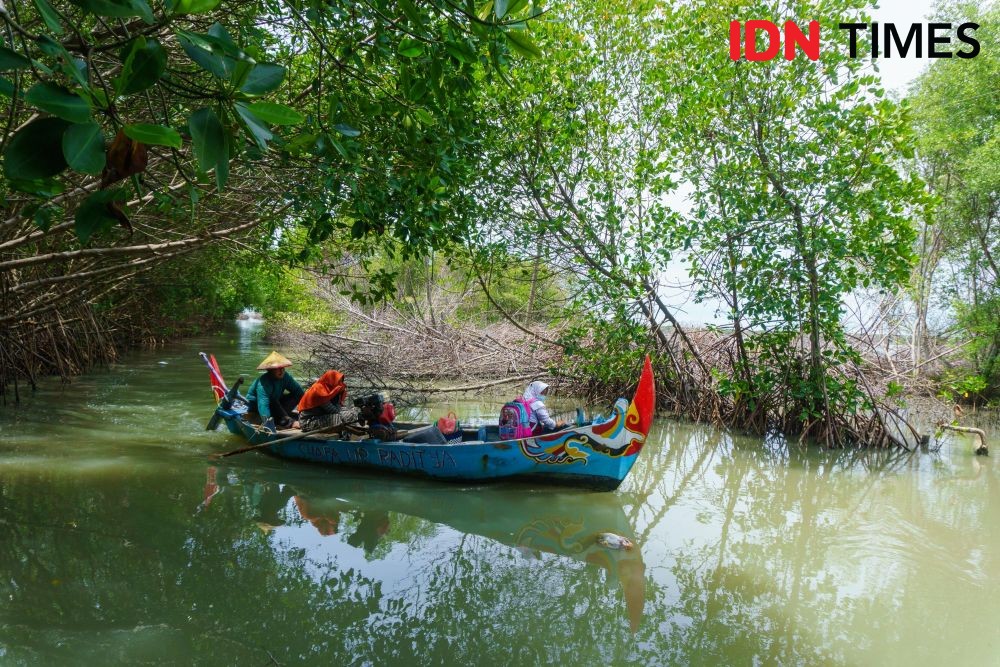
124,543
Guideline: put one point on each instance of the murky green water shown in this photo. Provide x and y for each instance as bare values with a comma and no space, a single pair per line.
122,543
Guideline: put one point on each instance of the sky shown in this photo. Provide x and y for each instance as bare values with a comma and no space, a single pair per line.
897,73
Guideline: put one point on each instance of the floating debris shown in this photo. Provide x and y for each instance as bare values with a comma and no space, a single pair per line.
612,541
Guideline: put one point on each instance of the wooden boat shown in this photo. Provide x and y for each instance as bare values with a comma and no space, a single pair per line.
592,453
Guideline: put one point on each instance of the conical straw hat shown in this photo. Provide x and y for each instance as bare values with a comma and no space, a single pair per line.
274,360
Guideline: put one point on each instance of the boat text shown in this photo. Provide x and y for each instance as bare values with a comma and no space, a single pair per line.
390,458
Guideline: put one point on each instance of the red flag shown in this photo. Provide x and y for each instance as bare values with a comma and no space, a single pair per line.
215,376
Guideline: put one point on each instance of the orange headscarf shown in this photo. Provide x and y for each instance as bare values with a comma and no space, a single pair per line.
326,525
324,390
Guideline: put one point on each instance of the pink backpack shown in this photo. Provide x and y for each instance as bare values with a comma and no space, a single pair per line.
515,420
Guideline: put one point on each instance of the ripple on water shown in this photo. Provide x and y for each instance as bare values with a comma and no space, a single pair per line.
887,543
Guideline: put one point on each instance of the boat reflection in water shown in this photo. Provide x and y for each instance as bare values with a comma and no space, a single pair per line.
362,508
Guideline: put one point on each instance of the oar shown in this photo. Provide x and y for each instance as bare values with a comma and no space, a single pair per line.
289,438
275,442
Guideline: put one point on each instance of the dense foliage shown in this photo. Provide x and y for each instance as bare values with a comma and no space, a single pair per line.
957,114
799,201
392,149
796,198
136,132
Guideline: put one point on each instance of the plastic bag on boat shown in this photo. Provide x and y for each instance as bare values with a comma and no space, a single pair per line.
448,424
451,428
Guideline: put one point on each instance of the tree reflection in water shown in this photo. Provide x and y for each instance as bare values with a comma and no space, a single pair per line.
130,569
784,554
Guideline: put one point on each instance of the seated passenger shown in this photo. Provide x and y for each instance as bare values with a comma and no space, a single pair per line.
322,406
540,420
378,414
274,395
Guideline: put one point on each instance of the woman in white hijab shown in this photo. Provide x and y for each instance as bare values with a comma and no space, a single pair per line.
541,421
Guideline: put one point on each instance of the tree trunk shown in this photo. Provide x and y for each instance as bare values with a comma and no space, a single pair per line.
534,280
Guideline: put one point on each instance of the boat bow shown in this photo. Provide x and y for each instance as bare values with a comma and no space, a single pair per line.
640,410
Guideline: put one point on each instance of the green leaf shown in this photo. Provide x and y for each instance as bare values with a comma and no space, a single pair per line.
6,87
417,90
49,16
300,143
44,215
516,6
263,78
52,48
240,71
93,216
35,151
479,30
221,36
460,51
209,139
153,135
346,130
46,188
83,148
145,61
195,6
257,129
522,44
411,12
117,8
67,63
411,48
500,8
12,60
59,102
201,53
220,42
339,147
276,114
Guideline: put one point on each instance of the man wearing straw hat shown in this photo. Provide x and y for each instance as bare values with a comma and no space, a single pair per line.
267,395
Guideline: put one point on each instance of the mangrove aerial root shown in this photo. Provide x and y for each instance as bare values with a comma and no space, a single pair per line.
981,448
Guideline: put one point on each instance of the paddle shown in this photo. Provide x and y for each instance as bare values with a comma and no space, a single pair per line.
251,448
274,442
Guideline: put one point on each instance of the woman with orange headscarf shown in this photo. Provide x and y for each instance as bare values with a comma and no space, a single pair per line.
322,406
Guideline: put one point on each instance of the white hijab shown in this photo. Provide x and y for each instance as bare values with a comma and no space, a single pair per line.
534,392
